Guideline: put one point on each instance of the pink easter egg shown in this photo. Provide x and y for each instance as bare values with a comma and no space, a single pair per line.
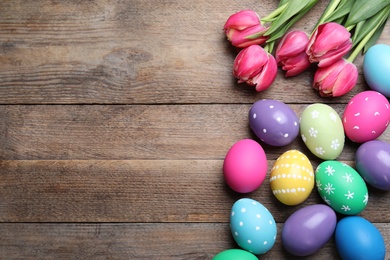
366,116
245,166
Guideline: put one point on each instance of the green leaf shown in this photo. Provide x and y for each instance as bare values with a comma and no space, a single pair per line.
364,27
374,38
363,9
293,7
341,12
282,30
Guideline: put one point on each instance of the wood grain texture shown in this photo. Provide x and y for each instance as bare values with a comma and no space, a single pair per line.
115,118
137,191
103,51
173,241
135,132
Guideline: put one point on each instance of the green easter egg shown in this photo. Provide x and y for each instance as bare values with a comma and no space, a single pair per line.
234,254
341,187
322,131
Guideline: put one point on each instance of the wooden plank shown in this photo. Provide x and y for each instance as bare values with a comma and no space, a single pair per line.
79,52
134,132
136,191
134,241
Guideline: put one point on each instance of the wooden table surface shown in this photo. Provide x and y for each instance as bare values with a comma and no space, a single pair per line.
115,120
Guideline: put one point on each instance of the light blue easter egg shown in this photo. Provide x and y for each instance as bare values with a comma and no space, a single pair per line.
376,68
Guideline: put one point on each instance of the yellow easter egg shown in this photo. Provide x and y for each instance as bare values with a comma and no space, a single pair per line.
292,178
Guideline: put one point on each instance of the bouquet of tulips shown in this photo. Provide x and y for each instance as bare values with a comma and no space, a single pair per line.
345,26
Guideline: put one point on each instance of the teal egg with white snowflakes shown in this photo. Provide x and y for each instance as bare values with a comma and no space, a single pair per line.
322,131
341,187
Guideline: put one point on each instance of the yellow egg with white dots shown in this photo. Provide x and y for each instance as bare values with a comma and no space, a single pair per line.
292,178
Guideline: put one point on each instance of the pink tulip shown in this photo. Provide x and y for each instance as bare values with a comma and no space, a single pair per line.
256,67
329,43
336,79
291,53
244,29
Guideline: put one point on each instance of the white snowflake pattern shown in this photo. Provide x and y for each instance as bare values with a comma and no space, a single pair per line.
304,138
333,116
330,170
345,208
329,188
319,184
335,144
349,195
365,199
320,150
326,200
315,114
348,177
313,132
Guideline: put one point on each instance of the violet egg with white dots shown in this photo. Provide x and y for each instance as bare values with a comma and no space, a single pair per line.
274,122
366,116
252,226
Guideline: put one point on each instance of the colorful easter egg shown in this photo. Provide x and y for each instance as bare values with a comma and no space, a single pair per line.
245,166
252,226
292,178
234,254
322,131
373,163
307,230
274,122
357,238
376,68
341,187
366,116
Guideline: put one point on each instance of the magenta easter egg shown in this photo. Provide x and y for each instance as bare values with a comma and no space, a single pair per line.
366,116
245,166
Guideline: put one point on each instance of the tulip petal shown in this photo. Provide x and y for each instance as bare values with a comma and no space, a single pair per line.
267,76
242,20
249,62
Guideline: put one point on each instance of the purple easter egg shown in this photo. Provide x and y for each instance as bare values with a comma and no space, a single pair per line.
307,230
373,163
274,122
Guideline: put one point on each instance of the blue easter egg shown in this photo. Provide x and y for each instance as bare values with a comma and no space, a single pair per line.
376,68
357,238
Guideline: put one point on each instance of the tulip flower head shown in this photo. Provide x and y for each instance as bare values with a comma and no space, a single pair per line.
337,79
244,29
329,43
256,67
291,53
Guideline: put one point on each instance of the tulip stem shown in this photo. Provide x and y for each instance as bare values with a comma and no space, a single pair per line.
275,13
349,28
328,11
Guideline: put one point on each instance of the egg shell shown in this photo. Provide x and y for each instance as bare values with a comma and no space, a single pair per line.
274,122
308,229
292,178
366,116
376,68
252,226
322,131
357,238
373,163
341,187
234,254
245,166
